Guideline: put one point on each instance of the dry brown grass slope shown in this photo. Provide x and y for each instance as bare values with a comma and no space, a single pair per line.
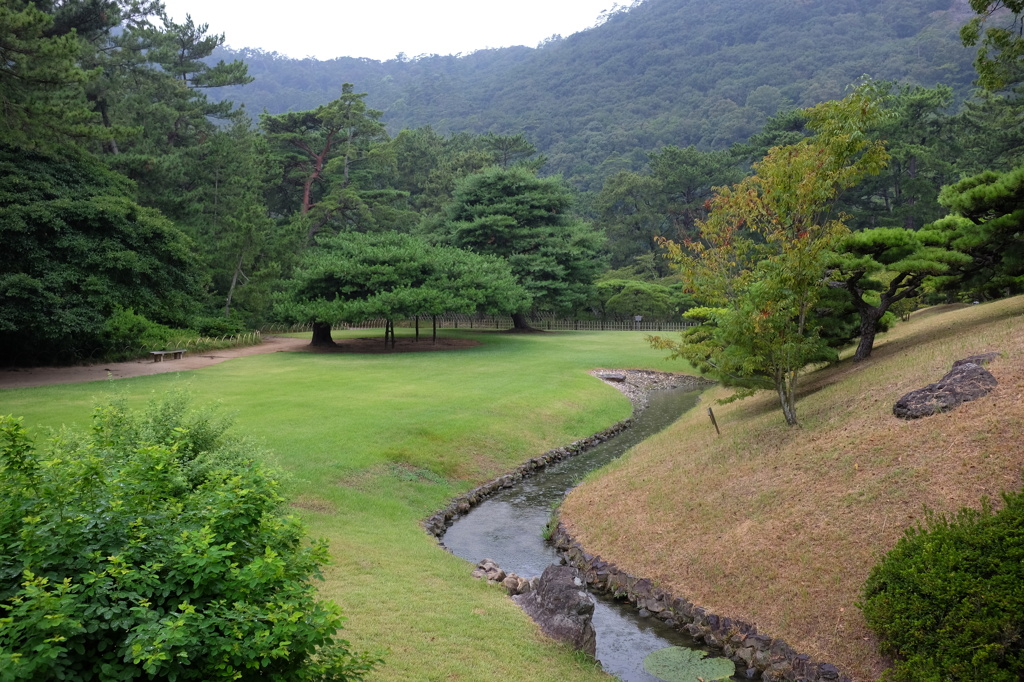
779,526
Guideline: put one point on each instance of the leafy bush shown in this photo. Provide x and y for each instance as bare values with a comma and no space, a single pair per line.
126,332
948,600
218,326
153,547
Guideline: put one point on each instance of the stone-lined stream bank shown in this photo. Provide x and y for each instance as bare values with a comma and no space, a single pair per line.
511,517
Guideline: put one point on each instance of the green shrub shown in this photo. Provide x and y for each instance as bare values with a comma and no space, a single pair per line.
218,326
153,547
948,600
126,333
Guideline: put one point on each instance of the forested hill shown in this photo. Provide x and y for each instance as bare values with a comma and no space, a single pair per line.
682,72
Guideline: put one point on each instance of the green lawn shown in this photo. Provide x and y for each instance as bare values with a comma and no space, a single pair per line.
373,444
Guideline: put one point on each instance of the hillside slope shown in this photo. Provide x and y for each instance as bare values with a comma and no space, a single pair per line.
682,72
780,527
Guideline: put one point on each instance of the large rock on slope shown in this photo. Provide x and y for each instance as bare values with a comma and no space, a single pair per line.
967,381
562,607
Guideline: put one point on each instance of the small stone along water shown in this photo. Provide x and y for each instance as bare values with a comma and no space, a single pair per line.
508,527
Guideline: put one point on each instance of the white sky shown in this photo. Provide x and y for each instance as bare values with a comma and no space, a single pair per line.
380,29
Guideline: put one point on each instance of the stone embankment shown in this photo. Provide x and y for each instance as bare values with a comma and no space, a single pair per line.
635,384
757,656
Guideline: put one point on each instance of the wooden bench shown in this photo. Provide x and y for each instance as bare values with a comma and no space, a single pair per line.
159,355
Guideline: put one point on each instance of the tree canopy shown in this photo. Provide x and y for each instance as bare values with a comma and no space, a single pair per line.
524,219
358,277
985,221
76,247
882,266
760,259
997,30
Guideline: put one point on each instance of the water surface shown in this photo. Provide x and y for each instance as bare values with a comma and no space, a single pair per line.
508,527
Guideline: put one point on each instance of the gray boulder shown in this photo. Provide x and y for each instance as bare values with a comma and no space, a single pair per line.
967,381
562,607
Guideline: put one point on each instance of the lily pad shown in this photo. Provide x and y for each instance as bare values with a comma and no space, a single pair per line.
678,664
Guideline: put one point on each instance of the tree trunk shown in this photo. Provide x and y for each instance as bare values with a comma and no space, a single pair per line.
787,396
231,289
868,330
519,322
322,335
434,321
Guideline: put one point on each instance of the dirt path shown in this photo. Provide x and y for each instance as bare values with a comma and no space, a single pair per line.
48,376
19,377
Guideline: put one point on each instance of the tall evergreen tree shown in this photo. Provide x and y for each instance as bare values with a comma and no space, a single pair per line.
319,154
524,219
42,101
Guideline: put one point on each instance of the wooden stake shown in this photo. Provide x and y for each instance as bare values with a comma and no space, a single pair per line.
712,415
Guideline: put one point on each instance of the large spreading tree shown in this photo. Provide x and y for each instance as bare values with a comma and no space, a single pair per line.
357,277
76,247
883,266
525,220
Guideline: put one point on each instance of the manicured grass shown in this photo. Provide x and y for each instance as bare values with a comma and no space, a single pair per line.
373,444
780,526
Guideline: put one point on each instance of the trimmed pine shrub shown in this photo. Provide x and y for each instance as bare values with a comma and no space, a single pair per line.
948,601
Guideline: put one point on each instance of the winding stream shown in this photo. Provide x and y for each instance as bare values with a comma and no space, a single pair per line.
508,526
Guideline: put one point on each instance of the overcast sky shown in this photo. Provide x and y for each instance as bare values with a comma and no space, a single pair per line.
380,29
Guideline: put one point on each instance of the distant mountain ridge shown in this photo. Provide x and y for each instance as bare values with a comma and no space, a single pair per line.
680,72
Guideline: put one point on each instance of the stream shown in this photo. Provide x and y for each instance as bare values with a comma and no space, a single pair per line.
508,527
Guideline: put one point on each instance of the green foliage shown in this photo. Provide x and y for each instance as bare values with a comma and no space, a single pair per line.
635,209
629,297
946,601
356,277
985,222
42,102
76,247
679,664
880,267
126,329
217,326
997,26
764,248
515,215
318,156
153,546
925,151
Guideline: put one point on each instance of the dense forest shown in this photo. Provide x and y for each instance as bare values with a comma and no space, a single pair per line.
154,180
659,72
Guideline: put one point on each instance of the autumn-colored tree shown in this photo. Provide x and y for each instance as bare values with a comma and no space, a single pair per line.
760,259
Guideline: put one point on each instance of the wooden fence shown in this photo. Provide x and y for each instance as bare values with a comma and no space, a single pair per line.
547,323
